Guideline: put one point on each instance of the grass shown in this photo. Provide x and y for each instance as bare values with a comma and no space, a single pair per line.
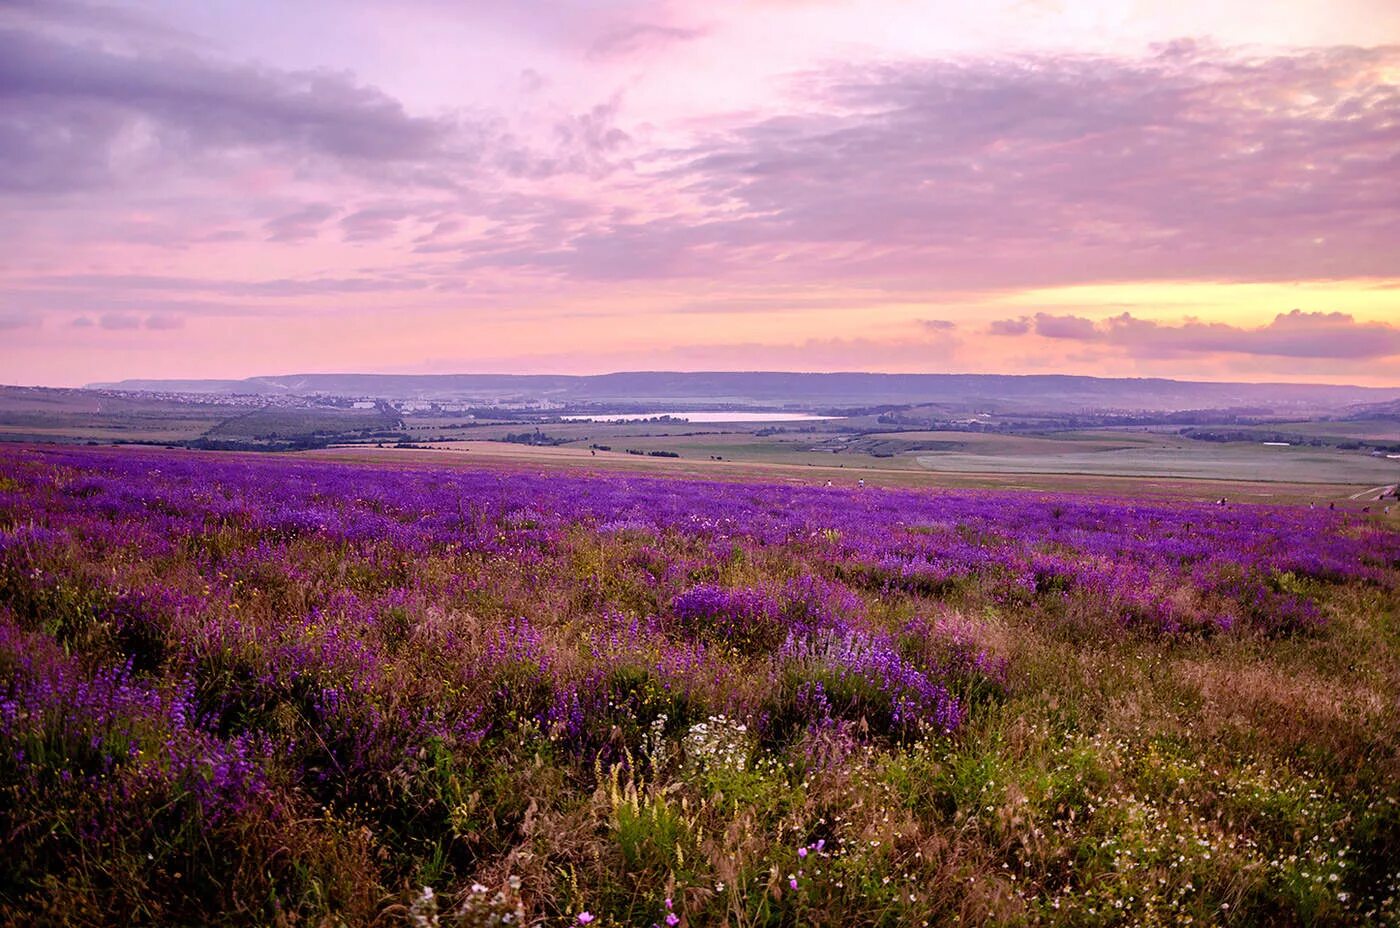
1106,776
296,422
1094,453
1181,458
845,472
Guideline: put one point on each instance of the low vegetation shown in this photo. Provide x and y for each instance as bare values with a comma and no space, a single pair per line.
237,689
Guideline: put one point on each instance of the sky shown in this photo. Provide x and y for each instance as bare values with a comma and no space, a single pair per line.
229,188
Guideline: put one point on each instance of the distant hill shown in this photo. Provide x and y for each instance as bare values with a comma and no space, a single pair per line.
1387,410
981,392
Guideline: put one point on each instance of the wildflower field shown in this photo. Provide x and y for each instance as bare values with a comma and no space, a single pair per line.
263,690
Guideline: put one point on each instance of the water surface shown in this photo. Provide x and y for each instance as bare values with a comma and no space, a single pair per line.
716,415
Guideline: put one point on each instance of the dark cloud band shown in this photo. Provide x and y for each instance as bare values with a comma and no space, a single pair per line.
1295,334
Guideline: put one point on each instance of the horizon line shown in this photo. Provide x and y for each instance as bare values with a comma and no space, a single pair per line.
112,384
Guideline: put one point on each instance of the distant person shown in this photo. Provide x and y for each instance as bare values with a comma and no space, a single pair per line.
860,482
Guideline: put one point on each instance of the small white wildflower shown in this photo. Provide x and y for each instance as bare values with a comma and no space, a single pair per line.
423,911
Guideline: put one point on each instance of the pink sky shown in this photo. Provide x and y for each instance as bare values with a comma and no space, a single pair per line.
225,189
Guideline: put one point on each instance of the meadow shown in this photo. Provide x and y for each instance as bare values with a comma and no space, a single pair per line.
247,689
860,443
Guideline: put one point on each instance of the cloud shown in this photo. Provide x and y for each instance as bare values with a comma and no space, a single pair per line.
1048,326
1009,326
594,131
588,142
1192,163
443,229
164,322
971,173
1294,334
119,321
937,325
104,20
373,223
11,321
299,224
125,322
77,117
634,38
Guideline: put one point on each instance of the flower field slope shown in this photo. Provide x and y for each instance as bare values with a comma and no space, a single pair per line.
245,689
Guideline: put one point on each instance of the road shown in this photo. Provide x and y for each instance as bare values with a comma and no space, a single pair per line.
1375,493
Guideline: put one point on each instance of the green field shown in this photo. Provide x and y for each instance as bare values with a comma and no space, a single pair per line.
1148,459
1387,430
78,416
296,422
1157,455
1096,453
74,415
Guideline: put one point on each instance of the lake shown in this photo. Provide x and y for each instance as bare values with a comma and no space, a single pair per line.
705,416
